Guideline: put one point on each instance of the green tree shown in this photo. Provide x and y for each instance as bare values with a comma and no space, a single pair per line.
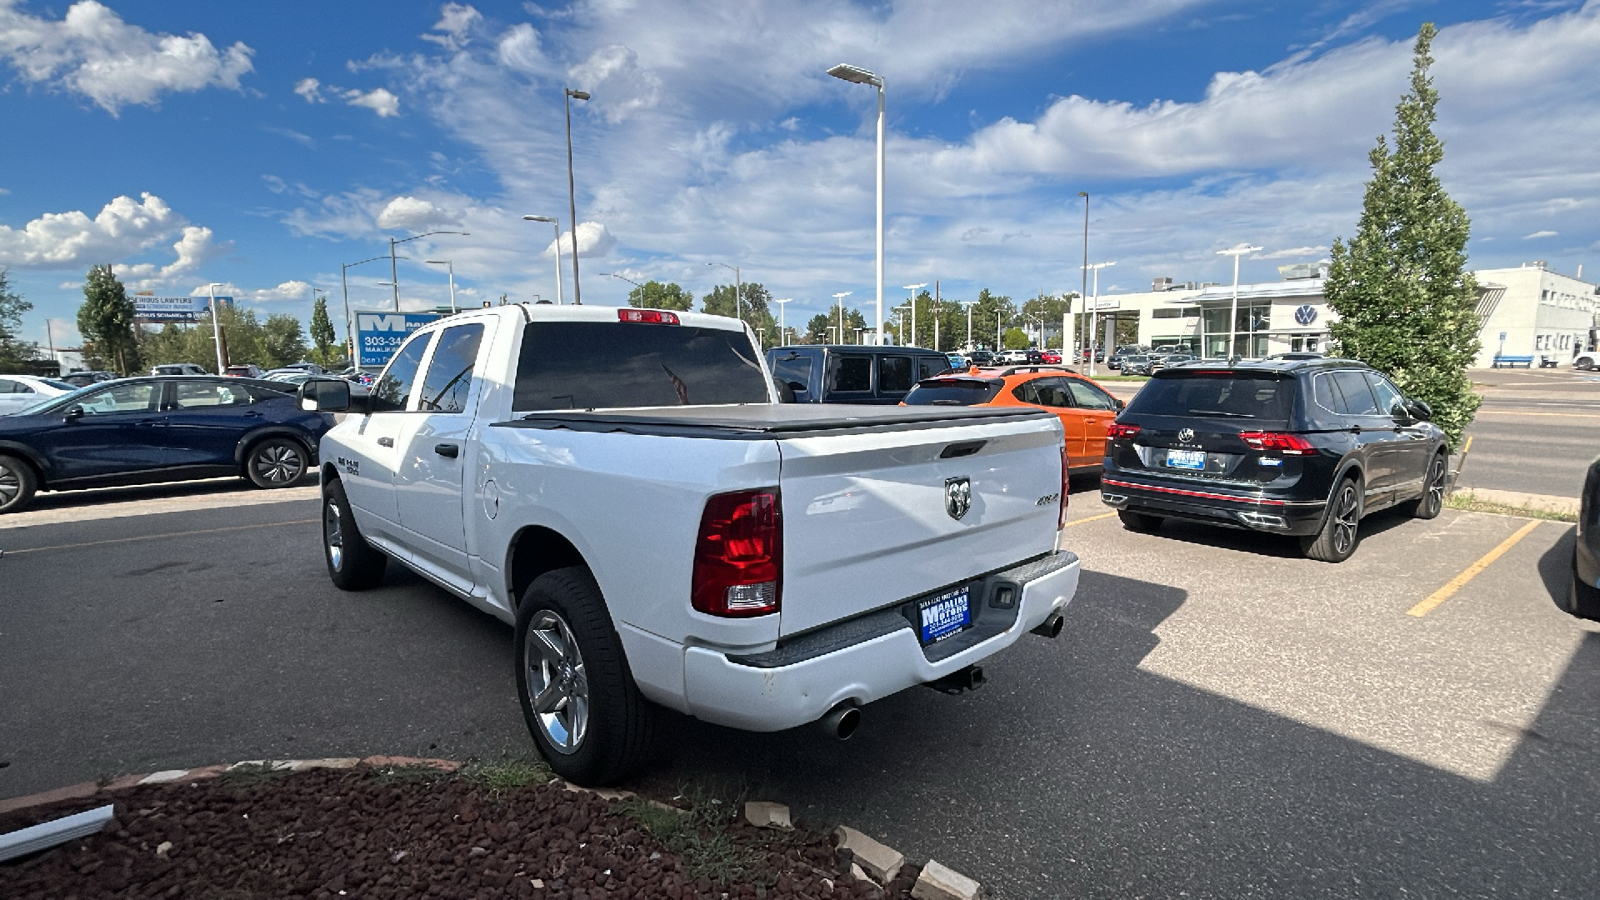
282,340
755,306
1015,339
106,321
819,330
1405,301
322,333
655,295
13,350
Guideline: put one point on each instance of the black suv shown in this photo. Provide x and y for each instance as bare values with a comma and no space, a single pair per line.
1296,447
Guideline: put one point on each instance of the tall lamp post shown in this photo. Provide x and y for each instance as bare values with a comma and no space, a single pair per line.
969,304
349,324
216,327
840,298
1094,308
858,75
738,288
556,223
572,196
783,330
913,288
628,280
1235,251
451,264
394,276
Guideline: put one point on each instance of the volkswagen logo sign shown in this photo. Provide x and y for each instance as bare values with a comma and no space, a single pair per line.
1305,315
957,496
1185,435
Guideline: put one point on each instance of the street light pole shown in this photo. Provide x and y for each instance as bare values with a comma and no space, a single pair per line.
394,277
858,75
783,329
840,297
738,288
1094,308
555,223
349,324
969,304
216,327
913,288
451,263
1235,251
572,197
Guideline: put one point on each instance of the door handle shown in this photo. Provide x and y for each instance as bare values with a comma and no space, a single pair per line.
385,442
450,450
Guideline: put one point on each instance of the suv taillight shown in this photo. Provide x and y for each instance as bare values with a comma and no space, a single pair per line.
1116,431
1287,444
738,564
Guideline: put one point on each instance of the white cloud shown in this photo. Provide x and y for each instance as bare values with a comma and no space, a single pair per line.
93,52
456,20
519,49
412,213
310,89
593,240
192,250
1540,234
620,87
71,240
1292,253
379,100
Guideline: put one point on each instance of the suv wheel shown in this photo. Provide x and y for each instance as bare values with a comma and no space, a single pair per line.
1431,502
1340,532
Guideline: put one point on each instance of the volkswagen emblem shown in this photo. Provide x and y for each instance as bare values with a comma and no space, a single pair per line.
1306,314
957,496
1185,435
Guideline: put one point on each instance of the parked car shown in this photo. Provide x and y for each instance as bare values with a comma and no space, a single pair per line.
139,430
1138,364
248,370
957,361
21,391
982,358
1122,353
84,379
178,369
1583,597
303,366
1171,359
1050,357
1084,408
1294,447
851,373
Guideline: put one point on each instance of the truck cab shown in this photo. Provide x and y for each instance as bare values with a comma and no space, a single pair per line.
834,373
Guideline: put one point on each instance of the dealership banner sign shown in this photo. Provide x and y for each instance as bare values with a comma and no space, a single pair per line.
152,310
380,334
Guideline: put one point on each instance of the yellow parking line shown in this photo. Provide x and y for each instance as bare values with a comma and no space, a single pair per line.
1518,412
1460,581
157,537
1089,519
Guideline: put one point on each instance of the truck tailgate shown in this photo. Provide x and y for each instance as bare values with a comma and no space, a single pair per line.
865,517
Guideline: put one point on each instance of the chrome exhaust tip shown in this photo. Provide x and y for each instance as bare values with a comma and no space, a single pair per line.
1051,626
841,722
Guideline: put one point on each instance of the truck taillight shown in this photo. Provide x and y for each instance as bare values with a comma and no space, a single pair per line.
1287,444
1066,487
647,316
738,562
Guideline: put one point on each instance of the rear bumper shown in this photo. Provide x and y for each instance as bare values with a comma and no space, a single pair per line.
1213,505
865,659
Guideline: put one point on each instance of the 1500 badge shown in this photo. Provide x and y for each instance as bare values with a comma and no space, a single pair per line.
1047,499
351,466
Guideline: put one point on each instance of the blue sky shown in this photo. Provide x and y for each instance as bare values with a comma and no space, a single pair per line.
263,145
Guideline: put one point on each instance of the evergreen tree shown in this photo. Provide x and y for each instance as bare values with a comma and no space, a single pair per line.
106,321
1405,301
13,350
322,333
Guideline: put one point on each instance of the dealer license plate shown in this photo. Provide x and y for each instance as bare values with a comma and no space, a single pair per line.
944,615
1186,459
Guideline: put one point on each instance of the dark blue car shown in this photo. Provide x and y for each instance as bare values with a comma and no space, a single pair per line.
1583,598
142,430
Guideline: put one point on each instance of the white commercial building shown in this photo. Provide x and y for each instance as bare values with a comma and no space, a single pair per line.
1525,313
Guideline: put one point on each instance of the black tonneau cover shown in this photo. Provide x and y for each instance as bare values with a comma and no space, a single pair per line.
765,420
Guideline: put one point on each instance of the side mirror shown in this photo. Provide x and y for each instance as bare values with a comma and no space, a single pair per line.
1420,410
73,413
325,396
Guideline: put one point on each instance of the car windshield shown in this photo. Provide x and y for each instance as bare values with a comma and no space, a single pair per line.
952,392
1216,395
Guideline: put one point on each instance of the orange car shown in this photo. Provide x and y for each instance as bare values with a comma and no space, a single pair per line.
1085,409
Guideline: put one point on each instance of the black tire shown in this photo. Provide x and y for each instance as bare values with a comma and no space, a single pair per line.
17,484
1137,521
276,462
1340,533
591,723
1583,600
353,564
1583,363
1431,503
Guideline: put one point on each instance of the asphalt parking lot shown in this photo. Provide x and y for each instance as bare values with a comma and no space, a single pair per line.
1221,718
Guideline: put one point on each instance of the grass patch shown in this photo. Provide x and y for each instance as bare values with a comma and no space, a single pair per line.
246,777
1470,502
505,775
702,837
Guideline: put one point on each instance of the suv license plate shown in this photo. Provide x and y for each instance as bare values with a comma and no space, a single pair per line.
1186,459
944,615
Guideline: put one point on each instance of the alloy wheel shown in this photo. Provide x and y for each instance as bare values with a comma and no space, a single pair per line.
557,682
279,463
1435,497
10,484
1344,520
334,535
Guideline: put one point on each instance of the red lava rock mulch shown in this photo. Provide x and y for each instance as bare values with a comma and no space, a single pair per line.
384,833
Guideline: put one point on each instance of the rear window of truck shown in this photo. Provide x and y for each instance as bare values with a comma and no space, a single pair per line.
610,365
1216,395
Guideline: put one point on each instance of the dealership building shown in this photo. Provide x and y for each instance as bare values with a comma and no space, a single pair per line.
1527,311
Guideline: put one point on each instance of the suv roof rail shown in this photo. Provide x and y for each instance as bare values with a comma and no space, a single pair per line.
1038,367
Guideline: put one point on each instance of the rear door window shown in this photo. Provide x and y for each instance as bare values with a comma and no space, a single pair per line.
611,365
849,373
1356,396
1218,395
795,372
894,373
929,366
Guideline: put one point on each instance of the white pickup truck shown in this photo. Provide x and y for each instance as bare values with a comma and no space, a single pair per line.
623,487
